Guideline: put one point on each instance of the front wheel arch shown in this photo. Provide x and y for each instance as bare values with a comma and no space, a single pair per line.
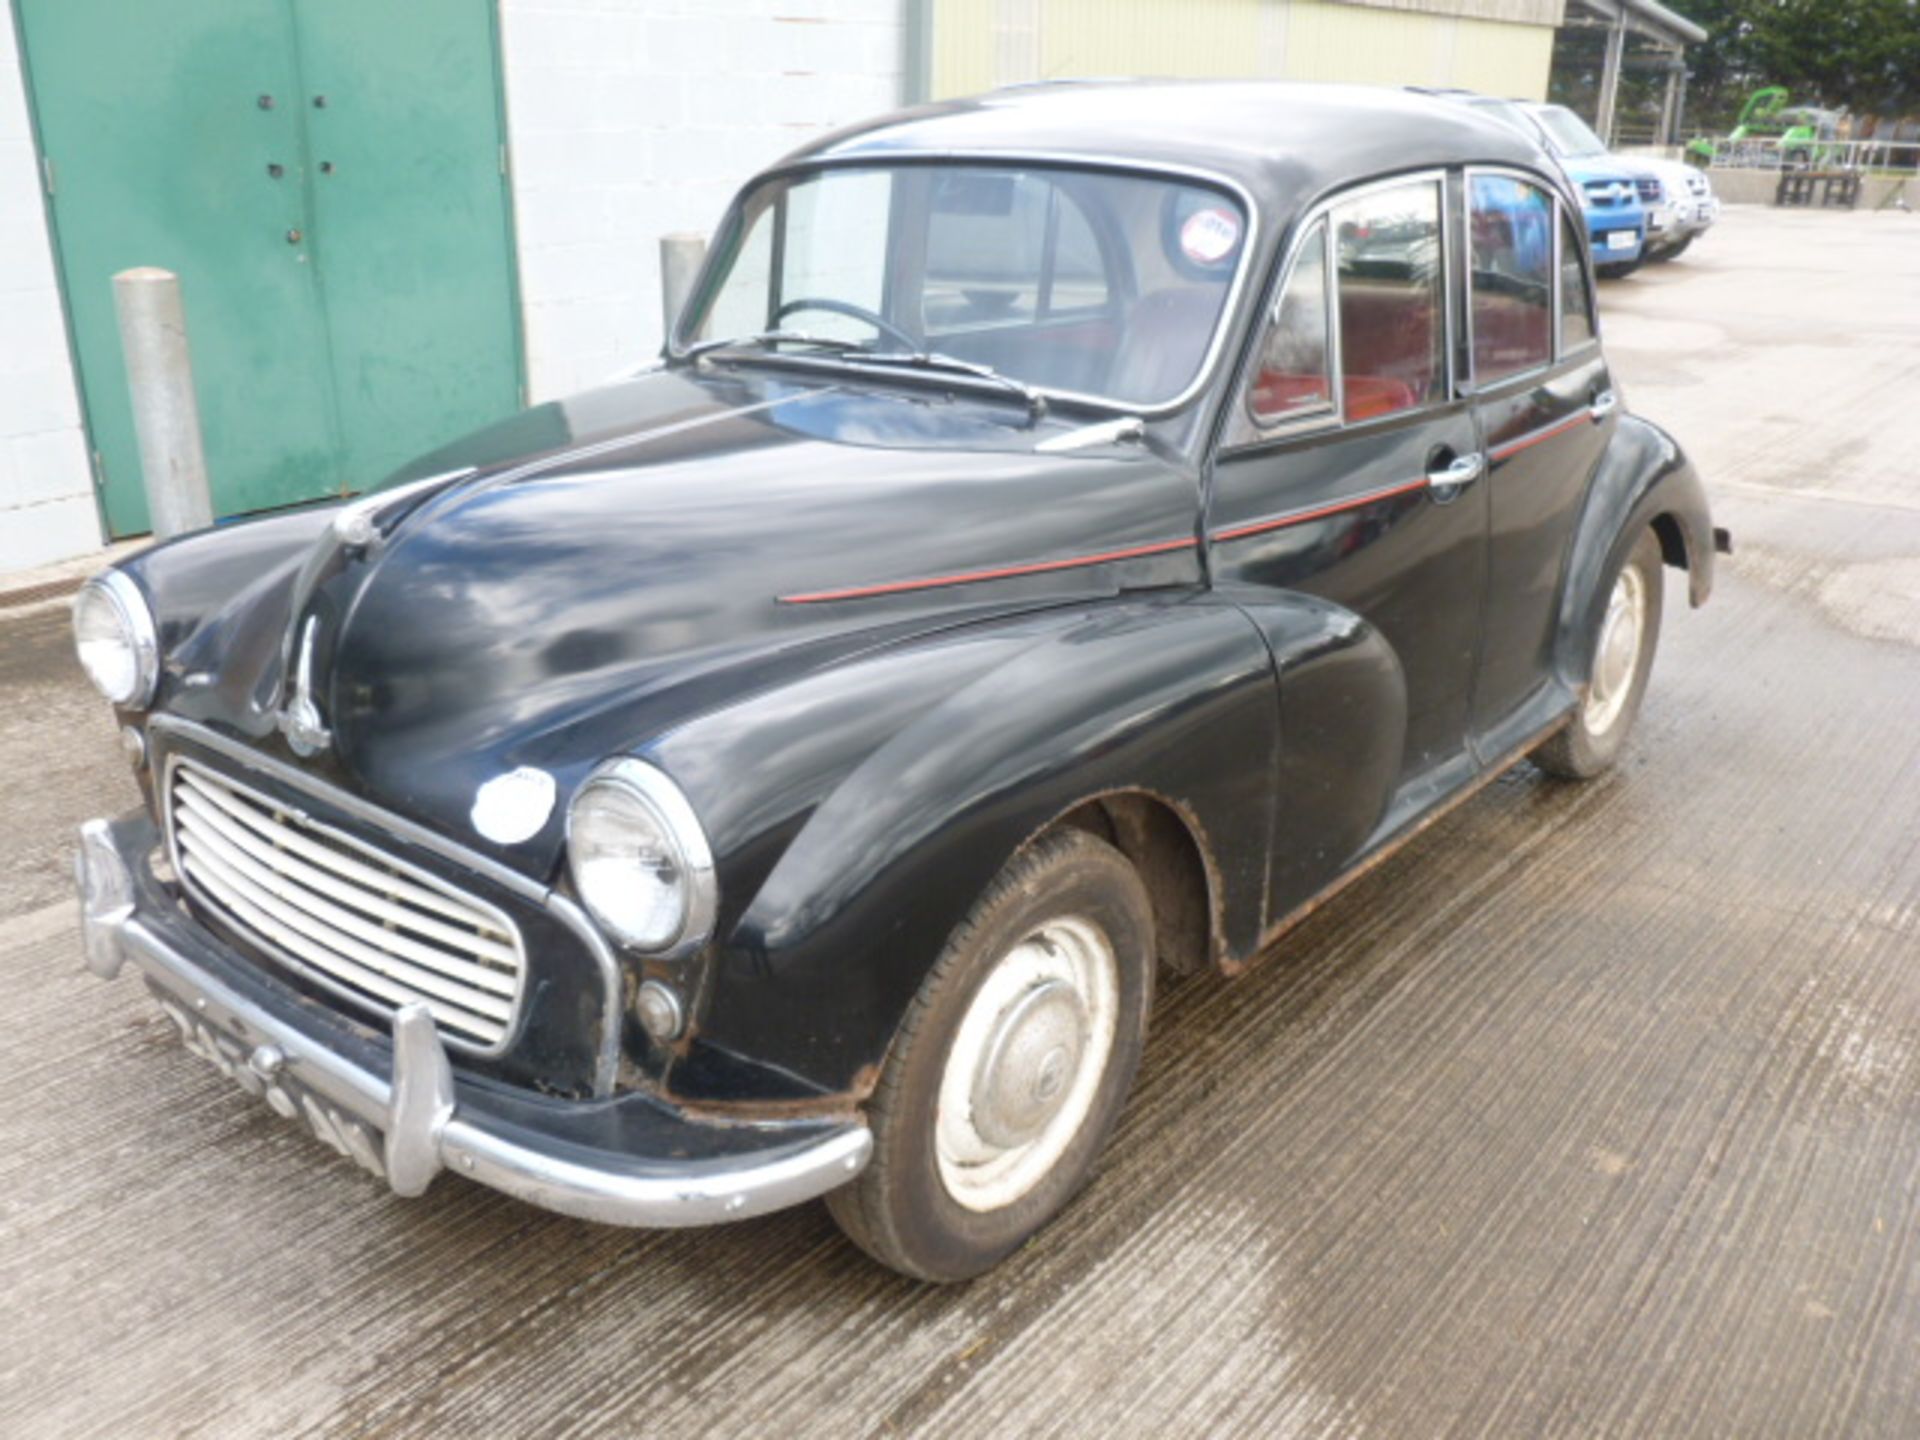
1168,849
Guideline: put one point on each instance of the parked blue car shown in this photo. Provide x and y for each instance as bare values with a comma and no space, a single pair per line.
1608,188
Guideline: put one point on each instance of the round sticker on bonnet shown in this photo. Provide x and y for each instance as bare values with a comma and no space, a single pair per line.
1208,236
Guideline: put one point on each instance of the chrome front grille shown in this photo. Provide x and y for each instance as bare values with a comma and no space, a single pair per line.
341,911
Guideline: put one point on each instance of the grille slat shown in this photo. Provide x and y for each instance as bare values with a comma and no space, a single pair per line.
337,907
386,951
276,832
305,879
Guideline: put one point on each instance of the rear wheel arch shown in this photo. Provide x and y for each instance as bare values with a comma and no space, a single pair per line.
1642,482
1673,541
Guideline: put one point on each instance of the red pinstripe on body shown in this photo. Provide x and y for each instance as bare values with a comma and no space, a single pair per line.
1534,437
1159,547
973,577
1300,517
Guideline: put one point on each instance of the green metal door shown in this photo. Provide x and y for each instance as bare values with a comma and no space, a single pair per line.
410,227
325,177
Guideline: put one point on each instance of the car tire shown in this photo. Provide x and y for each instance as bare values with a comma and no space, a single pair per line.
1622,648
1620,271
1011,1066
1678,250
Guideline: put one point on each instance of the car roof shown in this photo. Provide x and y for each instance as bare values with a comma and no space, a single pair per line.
1284,142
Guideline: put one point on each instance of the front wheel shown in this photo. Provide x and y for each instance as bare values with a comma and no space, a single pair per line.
1011,1066
1623,647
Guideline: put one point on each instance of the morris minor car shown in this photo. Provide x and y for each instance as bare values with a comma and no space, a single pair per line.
1069,534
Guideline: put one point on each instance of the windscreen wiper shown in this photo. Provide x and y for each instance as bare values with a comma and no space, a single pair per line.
1036,403
927,360
767,339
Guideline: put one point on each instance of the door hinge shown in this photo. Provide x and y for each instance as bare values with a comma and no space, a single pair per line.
46,173
99,471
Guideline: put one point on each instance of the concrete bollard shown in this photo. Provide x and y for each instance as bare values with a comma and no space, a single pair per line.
681,257
166,416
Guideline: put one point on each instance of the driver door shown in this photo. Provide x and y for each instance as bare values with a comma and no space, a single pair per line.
1349,475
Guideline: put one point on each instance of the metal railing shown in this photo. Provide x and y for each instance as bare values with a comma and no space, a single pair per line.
1895,156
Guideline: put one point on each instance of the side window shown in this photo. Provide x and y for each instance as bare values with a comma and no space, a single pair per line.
1392,325
1295,373
1511,225
1576,299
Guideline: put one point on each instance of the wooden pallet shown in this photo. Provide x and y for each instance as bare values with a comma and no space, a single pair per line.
1839,189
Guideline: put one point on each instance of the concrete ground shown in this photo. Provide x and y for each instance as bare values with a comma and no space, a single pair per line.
1594,1112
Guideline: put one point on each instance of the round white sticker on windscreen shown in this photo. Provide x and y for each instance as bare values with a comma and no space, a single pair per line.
1209,235
512,807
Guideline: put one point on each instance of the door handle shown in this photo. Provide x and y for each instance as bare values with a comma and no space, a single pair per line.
1603,405
1448,482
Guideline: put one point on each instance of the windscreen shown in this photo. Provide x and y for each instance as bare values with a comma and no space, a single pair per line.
1569,133
1090,282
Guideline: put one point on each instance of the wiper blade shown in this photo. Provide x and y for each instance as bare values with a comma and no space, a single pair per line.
933,360
767,339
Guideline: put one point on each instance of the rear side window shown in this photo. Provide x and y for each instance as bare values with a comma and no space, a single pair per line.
1295,374
1511,227
1392,326
1576,299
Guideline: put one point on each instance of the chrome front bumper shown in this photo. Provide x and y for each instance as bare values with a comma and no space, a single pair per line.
399,1110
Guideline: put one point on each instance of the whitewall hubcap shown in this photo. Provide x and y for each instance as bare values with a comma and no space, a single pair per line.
1617,657
1026,1063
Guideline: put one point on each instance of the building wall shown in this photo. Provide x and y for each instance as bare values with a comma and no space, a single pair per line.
626,120
1501,46
47,509
630,119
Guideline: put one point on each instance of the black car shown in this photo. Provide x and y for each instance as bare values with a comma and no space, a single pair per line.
1071,533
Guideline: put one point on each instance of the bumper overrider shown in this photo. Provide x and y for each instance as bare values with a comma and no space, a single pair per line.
394,1104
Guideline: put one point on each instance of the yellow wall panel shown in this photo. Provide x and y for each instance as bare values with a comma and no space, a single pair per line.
963,33
1503,59
1150,37
979,44
1329,41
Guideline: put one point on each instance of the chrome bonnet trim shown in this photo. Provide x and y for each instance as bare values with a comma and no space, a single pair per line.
563,909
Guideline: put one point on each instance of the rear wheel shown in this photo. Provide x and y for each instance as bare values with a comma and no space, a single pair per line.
1011,1066
1623,646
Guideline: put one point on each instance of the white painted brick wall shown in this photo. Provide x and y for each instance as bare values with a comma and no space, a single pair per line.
47,509
631,119
627,120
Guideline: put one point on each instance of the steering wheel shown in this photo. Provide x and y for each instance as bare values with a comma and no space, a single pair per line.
852,312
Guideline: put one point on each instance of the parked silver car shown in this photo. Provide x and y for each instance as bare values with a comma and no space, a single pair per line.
1679,202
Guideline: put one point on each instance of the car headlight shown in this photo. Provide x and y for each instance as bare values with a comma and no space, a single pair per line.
114,635
640,859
